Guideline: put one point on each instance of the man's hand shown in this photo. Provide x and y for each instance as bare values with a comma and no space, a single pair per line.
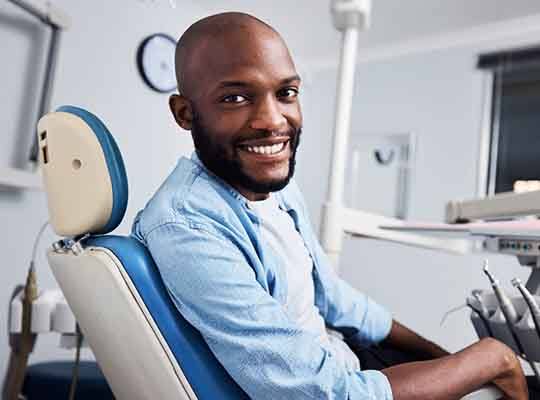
453,376
514,380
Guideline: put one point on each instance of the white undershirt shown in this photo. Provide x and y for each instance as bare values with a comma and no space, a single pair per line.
279,232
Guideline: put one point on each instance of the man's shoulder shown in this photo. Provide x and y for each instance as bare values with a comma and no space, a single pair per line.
189,195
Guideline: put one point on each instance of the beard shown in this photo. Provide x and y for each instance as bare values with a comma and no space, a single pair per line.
229,168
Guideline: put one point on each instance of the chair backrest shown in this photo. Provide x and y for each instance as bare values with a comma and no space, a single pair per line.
144,346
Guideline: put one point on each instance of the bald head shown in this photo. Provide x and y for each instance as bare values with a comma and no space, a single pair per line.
231,32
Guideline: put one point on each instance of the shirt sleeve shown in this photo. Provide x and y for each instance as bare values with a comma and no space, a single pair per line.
215,289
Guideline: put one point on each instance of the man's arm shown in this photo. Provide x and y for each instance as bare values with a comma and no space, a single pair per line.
453,376
441,376
444,376
402,338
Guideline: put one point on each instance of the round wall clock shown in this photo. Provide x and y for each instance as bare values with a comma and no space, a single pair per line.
155,60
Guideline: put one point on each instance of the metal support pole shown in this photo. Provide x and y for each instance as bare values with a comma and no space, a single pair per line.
332,232
349,16
48,82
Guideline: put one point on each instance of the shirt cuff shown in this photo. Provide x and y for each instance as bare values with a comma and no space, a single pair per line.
378,385
376,326
386,326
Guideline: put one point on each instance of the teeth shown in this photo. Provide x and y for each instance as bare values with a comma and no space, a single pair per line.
273,149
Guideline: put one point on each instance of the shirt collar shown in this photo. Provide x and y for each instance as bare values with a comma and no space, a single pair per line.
235,193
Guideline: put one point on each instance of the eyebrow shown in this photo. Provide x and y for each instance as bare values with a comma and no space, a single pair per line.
291,79
228,84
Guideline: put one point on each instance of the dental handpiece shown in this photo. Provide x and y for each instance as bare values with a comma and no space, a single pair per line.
507,308
480,314
535,313
481,310
510,314
477,294
531,303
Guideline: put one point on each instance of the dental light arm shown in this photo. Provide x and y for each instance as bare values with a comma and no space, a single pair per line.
349,17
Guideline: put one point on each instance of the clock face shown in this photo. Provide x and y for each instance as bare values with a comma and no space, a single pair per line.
155,59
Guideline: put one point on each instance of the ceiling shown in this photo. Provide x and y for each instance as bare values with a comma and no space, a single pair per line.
307,27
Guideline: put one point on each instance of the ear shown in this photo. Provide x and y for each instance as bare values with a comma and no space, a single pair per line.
182,110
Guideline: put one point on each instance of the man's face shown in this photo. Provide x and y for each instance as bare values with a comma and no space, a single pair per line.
246,114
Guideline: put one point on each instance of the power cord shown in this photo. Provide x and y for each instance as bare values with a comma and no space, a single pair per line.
36,243
75,374
451,311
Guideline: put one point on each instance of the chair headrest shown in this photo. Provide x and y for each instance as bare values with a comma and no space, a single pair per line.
83,172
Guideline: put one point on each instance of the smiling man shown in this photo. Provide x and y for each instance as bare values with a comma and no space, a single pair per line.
230,234
254,153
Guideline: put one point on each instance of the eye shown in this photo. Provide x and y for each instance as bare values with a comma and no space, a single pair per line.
233,99
289,93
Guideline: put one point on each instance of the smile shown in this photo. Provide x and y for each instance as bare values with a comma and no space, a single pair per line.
267,149
273,149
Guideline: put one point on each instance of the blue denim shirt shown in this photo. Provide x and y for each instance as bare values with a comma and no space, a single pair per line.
229,285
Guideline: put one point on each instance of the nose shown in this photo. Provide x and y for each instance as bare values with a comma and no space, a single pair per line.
268,116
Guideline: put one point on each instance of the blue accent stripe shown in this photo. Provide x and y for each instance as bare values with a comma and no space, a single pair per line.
207,377
115,165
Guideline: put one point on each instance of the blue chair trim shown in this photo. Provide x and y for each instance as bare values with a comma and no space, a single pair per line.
207,377
115,165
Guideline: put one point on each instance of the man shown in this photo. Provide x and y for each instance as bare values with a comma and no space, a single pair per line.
229,232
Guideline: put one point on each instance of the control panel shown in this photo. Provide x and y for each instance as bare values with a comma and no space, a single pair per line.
513,246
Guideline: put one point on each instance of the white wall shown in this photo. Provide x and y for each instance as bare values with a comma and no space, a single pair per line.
435,95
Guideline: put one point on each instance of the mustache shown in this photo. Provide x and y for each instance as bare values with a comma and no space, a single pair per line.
291,133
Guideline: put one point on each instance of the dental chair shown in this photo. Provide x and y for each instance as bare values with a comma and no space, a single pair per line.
144,347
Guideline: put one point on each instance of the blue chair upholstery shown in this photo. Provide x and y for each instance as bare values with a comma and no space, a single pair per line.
52,381
206,376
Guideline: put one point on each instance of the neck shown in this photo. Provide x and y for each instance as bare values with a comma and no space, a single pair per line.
248,194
